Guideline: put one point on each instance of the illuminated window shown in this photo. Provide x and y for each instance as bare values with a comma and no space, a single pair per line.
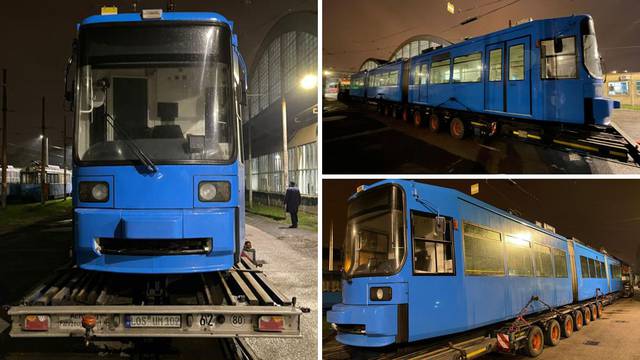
467,68
483,253
519,257
495,65
440,72
558,65
516,62
542,257
619,88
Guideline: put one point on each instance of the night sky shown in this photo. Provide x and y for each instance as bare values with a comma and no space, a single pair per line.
36,42
358,29
600,213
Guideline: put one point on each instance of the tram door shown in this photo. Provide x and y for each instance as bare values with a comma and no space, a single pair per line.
508,85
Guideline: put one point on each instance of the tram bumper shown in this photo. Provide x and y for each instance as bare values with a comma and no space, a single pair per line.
602,110
370,325
154,241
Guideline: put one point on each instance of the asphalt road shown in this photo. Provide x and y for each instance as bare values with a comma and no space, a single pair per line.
31,254
357,140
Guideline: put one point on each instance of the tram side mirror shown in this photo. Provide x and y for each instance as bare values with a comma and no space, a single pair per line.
440,226
557,45
195,143
69,79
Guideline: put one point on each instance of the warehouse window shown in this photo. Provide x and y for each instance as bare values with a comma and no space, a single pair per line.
516,62
440,72
638,87
432,244
558,65
495,65
592,269
467,68
560,262
619,88
519,257
483,253
584,267
542,257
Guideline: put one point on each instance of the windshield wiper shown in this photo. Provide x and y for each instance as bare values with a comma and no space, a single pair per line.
132,144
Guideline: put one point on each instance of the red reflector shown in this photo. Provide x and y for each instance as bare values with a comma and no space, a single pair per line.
36,323
271,323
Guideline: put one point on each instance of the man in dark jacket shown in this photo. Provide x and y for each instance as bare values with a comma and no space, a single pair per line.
292,201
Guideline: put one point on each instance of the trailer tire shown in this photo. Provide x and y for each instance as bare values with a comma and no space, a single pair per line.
535,342
417,118
578,320
567,326
587,315
434,123
457,128
405,114
594,312
600,309
552,335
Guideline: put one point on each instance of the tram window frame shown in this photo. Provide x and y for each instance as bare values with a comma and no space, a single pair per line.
392,78
539,264
592,268
603,270
450,242
584,267
495,73
461,62
446,69
513,268
511,67
554,55
557,254
500,241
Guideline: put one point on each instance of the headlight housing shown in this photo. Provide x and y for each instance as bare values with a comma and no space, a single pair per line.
380,293
214,191
94,191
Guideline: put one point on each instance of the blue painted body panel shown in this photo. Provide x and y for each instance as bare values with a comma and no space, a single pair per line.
358,93
446,304
533,98
615,284
159,206
586,285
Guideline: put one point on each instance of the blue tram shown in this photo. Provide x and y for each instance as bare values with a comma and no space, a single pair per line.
539,72
422,261
159,100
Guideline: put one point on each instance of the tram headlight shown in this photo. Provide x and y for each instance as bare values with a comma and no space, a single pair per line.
380,293
210,191
94,191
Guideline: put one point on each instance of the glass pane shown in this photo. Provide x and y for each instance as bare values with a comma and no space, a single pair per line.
495,65
519,257
482,251
542,256
560,262
467,68
516,62
440,72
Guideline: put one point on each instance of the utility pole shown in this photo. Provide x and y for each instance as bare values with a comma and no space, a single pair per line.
64,154
4,139
43,160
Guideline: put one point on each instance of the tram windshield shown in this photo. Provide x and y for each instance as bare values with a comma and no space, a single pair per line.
163,89
375,240
591,54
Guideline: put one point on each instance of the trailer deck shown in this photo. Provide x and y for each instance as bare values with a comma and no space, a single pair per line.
238,303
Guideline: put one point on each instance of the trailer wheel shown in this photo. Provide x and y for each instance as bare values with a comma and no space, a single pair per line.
405,114
594,312
417,118
434,123
578,320
457,128
600,309
587,315
552,335
535,342
567,326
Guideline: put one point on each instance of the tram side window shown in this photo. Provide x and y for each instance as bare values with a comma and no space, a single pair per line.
584,267
603,272
519,257
423,71
495,65
560,262
516,62
432,245
440,72
392,79
483,254
592,269
542,256
467,68
558,65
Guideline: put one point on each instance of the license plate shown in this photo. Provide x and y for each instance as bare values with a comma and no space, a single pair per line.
72,322
153,321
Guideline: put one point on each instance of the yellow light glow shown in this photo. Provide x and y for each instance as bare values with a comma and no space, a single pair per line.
520,239
327,73
309,81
